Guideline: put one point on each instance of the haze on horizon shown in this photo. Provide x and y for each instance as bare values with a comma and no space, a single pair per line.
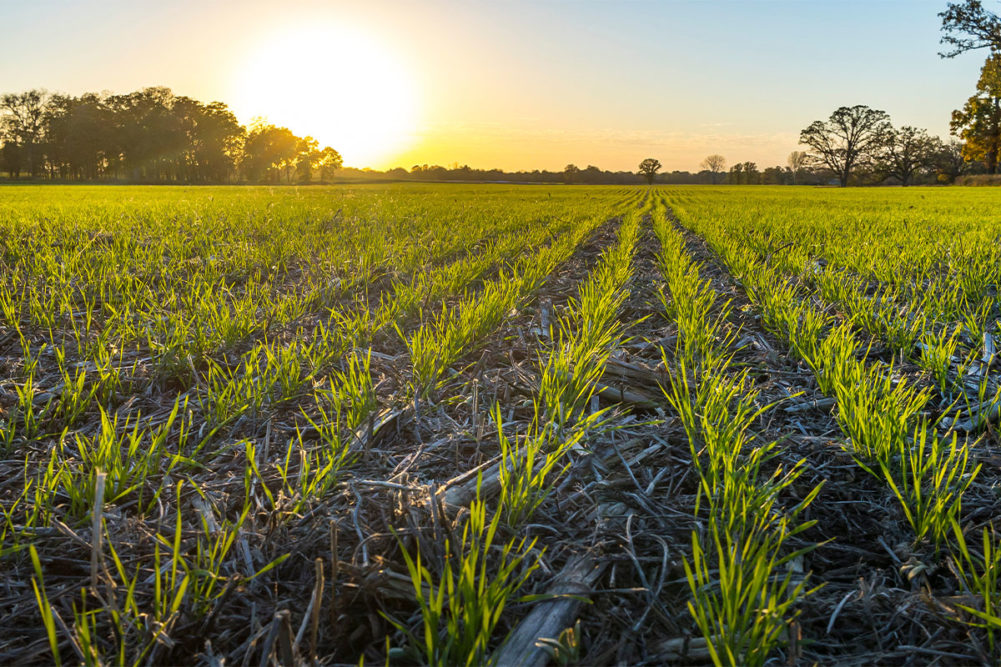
515,85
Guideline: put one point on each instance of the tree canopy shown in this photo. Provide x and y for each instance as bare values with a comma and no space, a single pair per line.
850,137
905,152
715,164
150,136
978,123
649,168
967,26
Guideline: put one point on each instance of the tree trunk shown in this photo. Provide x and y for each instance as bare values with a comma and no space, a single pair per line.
995,145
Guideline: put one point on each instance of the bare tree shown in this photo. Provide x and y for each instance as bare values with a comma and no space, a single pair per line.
906,152
797,161
968,26
715,164
950,161
850,137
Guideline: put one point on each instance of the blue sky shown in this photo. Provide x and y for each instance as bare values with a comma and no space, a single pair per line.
525,84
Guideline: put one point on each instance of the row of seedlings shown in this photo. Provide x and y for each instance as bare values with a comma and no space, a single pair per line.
461,599
742,573
883,419
140,473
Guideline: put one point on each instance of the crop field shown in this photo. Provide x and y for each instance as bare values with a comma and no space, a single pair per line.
472,424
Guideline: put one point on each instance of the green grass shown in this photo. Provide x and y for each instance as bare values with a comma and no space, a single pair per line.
194,378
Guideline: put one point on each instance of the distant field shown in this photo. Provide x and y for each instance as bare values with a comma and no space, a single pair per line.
273,425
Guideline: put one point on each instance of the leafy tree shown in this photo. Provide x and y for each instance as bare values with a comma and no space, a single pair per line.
330,161
849,138
307,160
216,140
950,163
715,164
22,119
649,168
736,175
906,152
744,173
78,136
591,174
978,123
775,176
968,27
570,173
269,152
150,135
11,159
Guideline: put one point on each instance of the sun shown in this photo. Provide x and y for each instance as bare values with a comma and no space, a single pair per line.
335,84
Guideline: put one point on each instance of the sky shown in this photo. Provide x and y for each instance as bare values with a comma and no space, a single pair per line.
508,83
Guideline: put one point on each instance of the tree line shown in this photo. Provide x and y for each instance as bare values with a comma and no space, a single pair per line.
155,136
149,136
859,145
856,145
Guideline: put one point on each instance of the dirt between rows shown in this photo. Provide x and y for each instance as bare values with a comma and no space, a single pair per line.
446,439
615,530
406,450
881,601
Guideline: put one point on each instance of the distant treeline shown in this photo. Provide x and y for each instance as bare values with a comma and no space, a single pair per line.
149,136
154,136
746,173
946,170
572,175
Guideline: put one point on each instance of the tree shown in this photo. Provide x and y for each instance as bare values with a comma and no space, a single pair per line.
307,160
950,163
590,174
797,161
151,137
330,162
849,138
736,176
23,122
269,152
978,123
216,140
649,168
744,173
968,27
774,176
570,173
10,159
79,136
905,152
716,165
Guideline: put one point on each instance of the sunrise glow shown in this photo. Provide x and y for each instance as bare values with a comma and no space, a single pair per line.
334,83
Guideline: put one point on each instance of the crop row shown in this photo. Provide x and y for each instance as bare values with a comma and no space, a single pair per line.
112,457
884,419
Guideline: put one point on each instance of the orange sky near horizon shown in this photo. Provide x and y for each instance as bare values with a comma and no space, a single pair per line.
515,85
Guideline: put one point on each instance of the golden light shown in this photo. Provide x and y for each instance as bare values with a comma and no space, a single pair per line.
337,85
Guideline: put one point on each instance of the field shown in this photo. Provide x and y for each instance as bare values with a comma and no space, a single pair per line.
460,424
